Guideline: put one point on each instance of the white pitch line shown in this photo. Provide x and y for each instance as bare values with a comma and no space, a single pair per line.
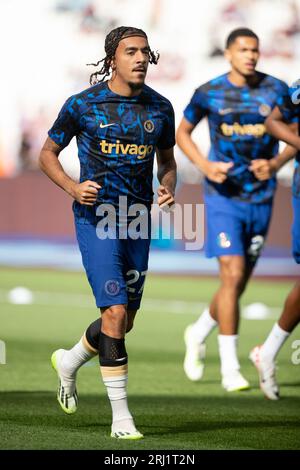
86,301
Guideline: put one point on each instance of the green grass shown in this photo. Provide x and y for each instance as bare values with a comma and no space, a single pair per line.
171,411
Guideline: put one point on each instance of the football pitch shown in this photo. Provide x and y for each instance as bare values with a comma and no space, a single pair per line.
171,411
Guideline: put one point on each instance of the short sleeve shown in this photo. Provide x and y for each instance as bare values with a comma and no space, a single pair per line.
66,125
167,137
196,109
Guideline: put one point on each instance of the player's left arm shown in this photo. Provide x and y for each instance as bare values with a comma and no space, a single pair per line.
276,125
166,173
264,169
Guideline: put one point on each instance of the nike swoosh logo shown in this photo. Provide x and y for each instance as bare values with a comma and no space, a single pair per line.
102,126
226,110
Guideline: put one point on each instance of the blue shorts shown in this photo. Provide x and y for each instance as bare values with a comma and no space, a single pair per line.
115,268
296,229
235,227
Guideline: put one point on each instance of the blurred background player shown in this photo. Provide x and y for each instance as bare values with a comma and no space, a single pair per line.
238,204
263,357
119,124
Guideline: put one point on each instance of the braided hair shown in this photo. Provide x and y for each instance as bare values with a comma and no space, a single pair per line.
111,43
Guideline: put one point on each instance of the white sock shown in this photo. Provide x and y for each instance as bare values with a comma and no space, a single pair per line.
203,326
73,359
116,391
273,343
228,353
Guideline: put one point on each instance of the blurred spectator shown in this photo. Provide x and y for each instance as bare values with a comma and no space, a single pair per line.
26,160
232,15
31,140
91,22
282,39
277,36
70,5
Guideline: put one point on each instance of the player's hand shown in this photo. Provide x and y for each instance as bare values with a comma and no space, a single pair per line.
263,169
217,171
165,198
86,193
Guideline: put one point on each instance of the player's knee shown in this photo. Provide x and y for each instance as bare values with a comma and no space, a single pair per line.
234,279
114,321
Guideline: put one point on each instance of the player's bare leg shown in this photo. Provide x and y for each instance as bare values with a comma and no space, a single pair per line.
234,275
114,369
290,316
263,357
194,338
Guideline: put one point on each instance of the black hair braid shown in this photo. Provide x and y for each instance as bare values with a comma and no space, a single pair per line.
103,71
111,43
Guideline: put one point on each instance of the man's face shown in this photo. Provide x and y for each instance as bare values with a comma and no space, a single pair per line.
131,61
243,55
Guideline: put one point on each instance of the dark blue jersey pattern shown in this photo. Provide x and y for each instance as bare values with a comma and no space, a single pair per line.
116,138
236,118
289,105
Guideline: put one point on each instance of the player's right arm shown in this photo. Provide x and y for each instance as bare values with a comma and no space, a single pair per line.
214,171
85,193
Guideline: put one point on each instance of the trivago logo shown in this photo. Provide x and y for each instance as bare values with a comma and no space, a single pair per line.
255,130
131,149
